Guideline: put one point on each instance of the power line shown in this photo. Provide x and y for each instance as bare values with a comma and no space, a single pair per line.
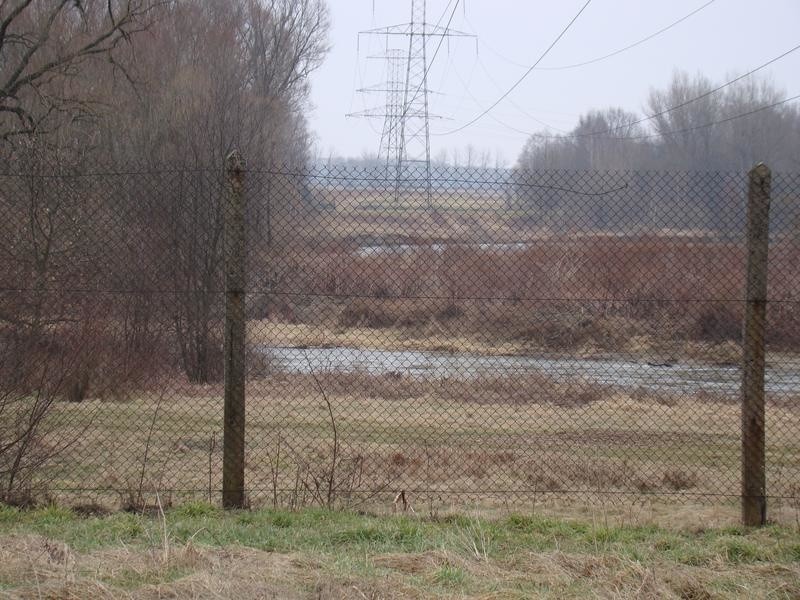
525,76
361,77
713,123
465,84
675,131
672,108
468,92
489,76
631,46
511,101
611,54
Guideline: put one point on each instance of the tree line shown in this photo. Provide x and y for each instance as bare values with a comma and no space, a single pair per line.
155,82
115,120
682,139
599,175
159,87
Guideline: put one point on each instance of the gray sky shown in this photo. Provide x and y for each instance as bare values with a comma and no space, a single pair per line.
728,37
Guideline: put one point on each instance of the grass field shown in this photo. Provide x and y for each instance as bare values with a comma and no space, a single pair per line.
488,445
198,552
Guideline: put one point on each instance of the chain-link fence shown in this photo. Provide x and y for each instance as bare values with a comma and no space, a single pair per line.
485,337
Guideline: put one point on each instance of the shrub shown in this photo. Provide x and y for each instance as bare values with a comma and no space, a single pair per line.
363,314
450,312
718,323
678,479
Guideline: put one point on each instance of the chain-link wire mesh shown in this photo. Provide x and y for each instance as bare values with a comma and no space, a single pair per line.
492,336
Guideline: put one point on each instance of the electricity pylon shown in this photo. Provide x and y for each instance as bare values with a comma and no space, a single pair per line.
406,137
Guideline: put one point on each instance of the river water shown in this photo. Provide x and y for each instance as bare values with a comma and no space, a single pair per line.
620,373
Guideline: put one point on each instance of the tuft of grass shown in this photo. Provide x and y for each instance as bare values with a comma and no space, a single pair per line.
679,479
546,526
793,552
737,550
400,533
197,509
8,514
129,579
283,521
450,576
363,534
54,515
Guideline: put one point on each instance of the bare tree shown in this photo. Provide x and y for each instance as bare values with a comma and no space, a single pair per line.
471,155
766,136
686,144
689,129
486,159
223,76
499,160
455,157
44,48
589,145
209,76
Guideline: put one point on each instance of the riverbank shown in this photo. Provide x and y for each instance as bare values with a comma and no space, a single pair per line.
435,338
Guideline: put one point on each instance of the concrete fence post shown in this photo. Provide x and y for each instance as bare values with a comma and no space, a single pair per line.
233,462
754,500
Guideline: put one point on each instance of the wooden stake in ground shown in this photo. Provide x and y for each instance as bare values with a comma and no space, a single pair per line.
234,428
754,501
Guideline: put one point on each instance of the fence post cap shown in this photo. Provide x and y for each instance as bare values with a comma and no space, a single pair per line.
761,171
235,162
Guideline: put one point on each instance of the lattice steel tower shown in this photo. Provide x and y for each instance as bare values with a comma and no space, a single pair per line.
392,145
415,121
406,136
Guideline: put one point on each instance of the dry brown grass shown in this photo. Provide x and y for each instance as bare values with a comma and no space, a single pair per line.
446,442
37,567
51,569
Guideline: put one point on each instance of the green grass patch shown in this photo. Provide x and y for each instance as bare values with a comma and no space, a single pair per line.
336,532
450,576
518,556
133,579
197,509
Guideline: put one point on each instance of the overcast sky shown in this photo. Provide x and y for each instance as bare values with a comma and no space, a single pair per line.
729,36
